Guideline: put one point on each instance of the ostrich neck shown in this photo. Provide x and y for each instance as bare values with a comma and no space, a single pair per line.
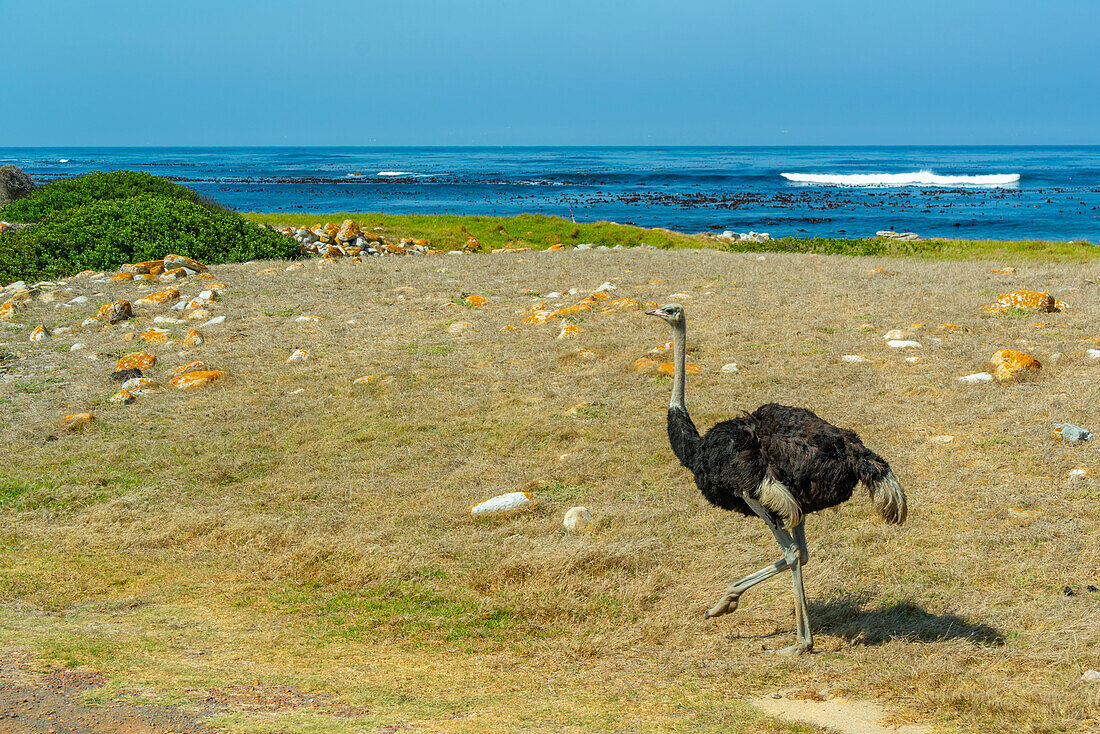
679,357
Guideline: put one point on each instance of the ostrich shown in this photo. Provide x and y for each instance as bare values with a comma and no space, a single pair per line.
778,463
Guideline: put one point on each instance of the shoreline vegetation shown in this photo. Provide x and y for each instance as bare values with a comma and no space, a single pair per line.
536,231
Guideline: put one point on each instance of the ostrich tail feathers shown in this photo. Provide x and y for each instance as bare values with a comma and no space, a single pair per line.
778,499
889,498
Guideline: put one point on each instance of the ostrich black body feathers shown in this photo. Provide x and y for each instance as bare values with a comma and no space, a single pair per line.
817,462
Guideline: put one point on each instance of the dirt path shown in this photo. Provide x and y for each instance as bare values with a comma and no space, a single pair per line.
33,703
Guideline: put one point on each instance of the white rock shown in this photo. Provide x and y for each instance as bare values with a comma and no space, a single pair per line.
167,320
976,377
854,358
731,367
943,438
297,355
179,305
76,301
458,326
502,502
895,334
761,258
91,320
1078,473
304,319
76,347
553,294
1093,353
577,519
215,321
297,392
604,287
197,315
206,295
678,296
586,246
912,360
902,344
1091,676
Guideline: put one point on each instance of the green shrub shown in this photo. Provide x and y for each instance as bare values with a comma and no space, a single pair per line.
92,187
105,234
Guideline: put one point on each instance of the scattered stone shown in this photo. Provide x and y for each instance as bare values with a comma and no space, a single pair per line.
943,438
460,326
197,315
136,360
577,519
976,377
126,374
75,422
1071,433
142,268
1033,300
730,368
305,319
194,338
114,312
173,262
190,367
643,364
77,301
1077,474
154,335
139,384
744,236
912,360
567,330
298,355
874,271
502,502
39,333
668,368
76,347
1091,676
168,320
214,321
1093,353
364,379
123,397
903,344
196,379
1012,366
158,298
854,358
890,234
476,301
1004,271
174,274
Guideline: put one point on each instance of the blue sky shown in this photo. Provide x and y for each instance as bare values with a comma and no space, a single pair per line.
416,72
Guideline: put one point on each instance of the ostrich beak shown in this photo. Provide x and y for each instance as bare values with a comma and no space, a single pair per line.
654,312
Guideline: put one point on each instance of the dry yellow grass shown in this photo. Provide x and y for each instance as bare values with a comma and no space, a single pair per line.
288,527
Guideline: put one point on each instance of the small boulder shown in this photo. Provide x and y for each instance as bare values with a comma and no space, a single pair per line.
136,360
39,333
1031,300
139,384
194,338
158,298
14,184
126,374
1012,366
298,355
75,422
154,335
114,312
502,502
577,519
196,379
142,268
172,262
123,397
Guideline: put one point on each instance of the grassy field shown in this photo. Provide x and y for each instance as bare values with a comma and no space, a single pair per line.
297,548
540,232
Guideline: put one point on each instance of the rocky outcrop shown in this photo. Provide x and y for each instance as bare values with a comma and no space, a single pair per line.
14,184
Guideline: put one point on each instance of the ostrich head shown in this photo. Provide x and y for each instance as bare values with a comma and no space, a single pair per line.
672,313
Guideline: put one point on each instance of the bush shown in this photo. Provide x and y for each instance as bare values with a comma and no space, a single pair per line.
105,234
73,192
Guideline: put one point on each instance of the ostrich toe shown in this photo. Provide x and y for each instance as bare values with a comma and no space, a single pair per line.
725,605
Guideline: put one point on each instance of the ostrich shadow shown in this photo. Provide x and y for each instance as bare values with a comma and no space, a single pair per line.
848,616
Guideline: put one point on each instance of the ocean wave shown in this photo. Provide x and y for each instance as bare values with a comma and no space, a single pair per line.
912,178
394,173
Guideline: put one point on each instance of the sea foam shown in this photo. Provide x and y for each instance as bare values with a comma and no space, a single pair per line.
913,178
394,173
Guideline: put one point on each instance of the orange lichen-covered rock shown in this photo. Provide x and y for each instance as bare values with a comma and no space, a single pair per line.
348,231
472,244
643,364
196,379
156,298
142,268
39,333
123,397
122,276
298,355
1039,300
626,303
75,422
334,251
330,231
577,408
1012,366
174,274
582,306
593,298
180,261
556,248
668,368
154,335
662,347
9,308
875,271
476,300
364,379
190,367
136,361
114,312
539,317
567,330
194,338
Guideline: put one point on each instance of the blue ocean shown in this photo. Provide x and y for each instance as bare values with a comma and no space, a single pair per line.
964,192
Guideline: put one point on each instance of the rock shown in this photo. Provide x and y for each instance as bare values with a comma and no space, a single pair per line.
77,301
1033,300
577,519
364,379
458,327
76,347
123,397
196,379
643,364
172,262
136,360
154,335
75,422
14,184
39,333
139,383
668,368
214,321
168,320
195,302
194,338
730,368
943,438
1012,366
903,344
976,377
1092,353
119,277
895,334
476,301
1071,433
126,374
567,330
190,367
298,355
854,358
142,268
174,274
874,271
306,319
9,308
348,231
114,312
502,502
90,321
1091,676
892,235
198,314
158,298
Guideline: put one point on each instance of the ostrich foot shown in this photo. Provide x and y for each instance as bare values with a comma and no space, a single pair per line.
792,650
725,605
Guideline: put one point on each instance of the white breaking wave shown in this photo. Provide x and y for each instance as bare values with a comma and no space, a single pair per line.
394,173
913,178
62,160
